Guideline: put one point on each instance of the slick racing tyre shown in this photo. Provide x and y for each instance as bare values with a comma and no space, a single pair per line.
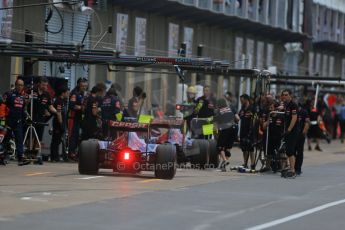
88,157
165,164
213,154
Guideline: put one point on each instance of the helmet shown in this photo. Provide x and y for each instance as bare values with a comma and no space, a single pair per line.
191,89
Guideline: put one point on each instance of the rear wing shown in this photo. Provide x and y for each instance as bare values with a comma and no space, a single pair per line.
172,124
156,123
128,126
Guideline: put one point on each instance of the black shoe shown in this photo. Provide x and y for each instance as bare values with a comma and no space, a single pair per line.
23,161
226,163
283,172
252,167
298,173
318,148
309,148
38,161
265,169
290,175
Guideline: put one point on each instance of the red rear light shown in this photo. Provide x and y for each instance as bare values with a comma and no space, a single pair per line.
126,156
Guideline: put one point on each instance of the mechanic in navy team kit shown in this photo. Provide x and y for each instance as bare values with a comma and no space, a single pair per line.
226,136
314,131
15,102
291,130
59,124
188,114
246,133
91,122
274,124
42,106
111,110
76,115
205,106
135,103
303,125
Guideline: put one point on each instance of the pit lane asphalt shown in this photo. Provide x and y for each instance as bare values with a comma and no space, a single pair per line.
55,196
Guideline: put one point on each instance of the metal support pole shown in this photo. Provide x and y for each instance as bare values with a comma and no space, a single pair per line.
316,94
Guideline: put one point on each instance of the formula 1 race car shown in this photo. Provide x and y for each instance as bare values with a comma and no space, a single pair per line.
128,151
134,147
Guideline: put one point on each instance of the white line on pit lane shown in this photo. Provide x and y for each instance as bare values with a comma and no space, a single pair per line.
3,219
206,211
210,221
297,215
89,178
27,198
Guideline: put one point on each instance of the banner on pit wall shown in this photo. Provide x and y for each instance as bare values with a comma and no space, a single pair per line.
270,52
259,54
238,52
331,66
121,32
250,52
343,68
318,63
173,44
188,39
325,65
6,20
311,63
140,37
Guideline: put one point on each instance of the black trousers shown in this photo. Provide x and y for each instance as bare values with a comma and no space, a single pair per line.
342,128
39,131
291,142
335,126
56,141
73,134
299,153
17,127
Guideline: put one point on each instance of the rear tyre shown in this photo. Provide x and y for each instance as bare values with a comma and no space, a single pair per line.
88,157
213,154
165,165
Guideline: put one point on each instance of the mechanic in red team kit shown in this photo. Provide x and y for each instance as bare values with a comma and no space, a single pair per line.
75,116
59,124
291,131
15,102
